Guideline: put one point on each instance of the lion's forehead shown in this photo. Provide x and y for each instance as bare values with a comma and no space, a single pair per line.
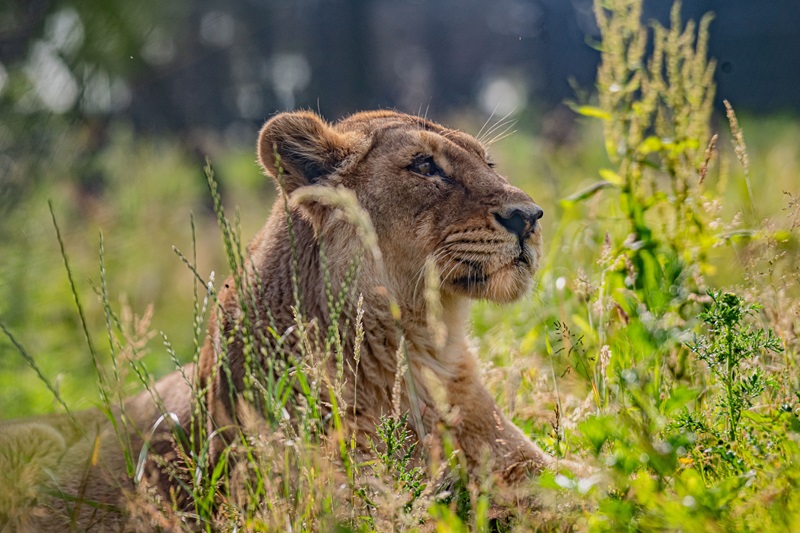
393,126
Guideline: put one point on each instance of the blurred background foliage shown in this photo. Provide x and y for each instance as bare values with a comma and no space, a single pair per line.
109,108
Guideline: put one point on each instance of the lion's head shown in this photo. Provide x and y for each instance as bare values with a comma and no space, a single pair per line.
431,192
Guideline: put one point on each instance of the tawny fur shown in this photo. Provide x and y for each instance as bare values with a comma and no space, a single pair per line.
448,218
61,472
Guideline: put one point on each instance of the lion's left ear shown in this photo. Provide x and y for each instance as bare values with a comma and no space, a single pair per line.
305,147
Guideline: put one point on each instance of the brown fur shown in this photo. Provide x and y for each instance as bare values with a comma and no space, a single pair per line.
449,218
60,472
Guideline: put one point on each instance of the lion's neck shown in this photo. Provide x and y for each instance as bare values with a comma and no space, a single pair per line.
391,340
282,259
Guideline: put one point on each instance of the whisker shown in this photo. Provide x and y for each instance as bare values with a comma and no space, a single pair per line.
452,269
493,127
502,128
492,241
499,124
465,248
496,127
502,136
478,135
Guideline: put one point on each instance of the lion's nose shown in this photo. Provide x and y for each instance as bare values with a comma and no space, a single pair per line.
519,219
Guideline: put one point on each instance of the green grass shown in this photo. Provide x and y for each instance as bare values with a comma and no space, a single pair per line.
660,296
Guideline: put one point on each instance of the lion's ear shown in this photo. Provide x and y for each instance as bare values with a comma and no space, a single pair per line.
304,147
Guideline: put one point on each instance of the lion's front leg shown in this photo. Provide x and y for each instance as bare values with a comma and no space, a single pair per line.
483,432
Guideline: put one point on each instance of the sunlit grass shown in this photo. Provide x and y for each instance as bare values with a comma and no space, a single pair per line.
597,363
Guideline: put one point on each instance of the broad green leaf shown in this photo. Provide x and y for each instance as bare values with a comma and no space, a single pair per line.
591,111
782,236
589,191
650,145
597,430
678,398
611,176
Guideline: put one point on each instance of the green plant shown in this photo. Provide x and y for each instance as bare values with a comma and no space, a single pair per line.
655,94
731,350
669,462
403,482
396,455
655,108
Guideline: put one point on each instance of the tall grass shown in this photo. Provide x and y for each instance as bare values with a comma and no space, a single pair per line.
678,387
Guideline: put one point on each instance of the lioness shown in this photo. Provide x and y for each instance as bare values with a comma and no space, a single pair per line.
436,207
433,196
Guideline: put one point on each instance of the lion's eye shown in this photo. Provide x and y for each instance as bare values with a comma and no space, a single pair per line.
424,166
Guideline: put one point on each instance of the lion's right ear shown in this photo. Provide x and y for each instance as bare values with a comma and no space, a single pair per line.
303,146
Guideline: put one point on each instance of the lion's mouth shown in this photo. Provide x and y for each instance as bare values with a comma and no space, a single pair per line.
524,257
470,281
474,274
496,269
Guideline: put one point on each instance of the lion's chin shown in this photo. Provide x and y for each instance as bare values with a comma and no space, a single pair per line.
503,286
